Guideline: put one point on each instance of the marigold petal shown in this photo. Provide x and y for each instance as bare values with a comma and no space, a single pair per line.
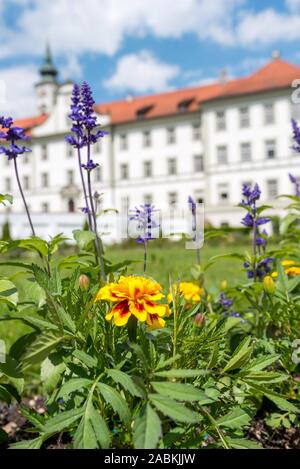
138,310
155,322
154,308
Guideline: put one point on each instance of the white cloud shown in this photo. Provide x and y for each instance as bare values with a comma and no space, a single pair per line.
78,26
266,27
293,5
141,72
17,84
71,69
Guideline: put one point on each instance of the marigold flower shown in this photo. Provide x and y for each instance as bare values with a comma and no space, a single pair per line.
290,268
293,271
190,291
137,296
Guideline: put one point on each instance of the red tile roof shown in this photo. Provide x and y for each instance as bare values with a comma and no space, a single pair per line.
277,74
31,122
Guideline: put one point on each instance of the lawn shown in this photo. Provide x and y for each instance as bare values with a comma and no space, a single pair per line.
170,261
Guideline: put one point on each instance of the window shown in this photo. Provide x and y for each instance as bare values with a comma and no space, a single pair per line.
272,188
71,206
270,149
196,132
269,113
221,121
223,192
246,152
98,174
199,197
171,136
7,184
70,177
124,171
172,197
222,154
44,180
123,142
26,183
44,151
148,199
244,117
25,158
172,166
198,163
45,207
147,139
147,169
70,151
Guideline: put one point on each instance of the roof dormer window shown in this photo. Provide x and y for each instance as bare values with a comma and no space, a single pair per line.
143,111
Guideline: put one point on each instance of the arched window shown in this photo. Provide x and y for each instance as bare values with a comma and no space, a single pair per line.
71,206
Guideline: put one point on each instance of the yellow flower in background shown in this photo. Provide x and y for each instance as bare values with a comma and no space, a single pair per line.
137,296
293,271
290,268
269,285
190,291
224,285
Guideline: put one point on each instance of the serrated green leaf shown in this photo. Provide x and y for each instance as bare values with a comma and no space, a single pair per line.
240,443
11,368
125,381
41,347
86,359
235,419
83,238
147,429
181,392
63,421
178,373
73,385
240,355
36,443
8,292
92,431
114,398
174,410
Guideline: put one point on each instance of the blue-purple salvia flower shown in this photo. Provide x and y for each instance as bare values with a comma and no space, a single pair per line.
296,136
146,223
12,134
90,165
296,183
224,301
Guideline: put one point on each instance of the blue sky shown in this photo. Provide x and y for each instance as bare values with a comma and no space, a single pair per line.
139,46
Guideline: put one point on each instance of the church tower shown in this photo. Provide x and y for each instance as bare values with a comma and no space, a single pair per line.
47,87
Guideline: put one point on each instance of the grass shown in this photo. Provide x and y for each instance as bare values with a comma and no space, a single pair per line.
170,261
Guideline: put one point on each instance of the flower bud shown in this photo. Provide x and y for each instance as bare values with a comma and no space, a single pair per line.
224,285
269,285
84,282
199,320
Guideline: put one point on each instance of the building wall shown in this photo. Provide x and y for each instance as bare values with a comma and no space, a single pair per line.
208,185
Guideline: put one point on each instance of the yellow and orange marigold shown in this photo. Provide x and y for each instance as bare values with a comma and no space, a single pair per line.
189,290
290,267
137,296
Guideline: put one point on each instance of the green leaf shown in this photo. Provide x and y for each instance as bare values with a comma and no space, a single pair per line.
83,238
181,392
114,398
63,421
92,431
286,222
147,429
86,359
165,363
41,347
240,355
19,347
125,381
39,323
235,419
261,363
33,417
32,244
51,370
281,403
73,385
266,377
6,198
11,368
176,411
28,444
178,373
240,443
8,292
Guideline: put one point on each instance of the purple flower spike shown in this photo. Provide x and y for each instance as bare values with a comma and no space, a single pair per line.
90,165
296,183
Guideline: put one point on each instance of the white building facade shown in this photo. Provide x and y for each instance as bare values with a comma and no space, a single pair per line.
203,142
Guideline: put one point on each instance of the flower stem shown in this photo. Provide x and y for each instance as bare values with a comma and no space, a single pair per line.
23,196
254,246
145,256
84,188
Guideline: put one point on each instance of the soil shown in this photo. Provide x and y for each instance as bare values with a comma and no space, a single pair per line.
16,427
